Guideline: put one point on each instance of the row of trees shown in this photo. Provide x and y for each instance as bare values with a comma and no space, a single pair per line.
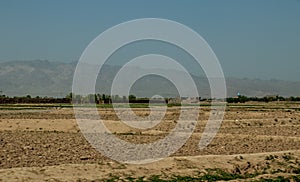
77,99
35,100
107,99
243,99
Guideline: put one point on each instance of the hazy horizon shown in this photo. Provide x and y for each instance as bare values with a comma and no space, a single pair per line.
201,74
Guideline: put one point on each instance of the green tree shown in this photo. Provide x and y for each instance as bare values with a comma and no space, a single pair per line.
132,98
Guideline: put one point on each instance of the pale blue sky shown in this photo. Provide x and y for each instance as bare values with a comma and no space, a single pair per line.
253,38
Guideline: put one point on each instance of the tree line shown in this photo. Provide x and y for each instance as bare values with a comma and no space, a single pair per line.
243,99
32,100
108,99
76,99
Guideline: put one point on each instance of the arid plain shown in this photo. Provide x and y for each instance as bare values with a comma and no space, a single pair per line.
256,141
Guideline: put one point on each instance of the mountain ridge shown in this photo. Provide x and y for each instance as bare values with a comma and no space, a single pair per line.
54,79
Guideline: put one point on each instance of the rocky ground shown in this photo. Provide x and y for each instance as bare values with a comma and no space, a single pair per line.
255,141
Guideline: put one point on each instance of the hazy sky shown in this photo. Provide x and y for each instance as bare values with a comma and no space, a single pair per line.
253,38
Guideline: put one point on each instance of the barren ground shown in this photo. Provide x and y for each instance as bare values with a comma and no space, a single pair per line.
255,141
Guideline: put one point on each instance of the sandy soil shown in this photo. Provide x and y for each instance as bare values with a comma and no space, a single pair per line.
46,144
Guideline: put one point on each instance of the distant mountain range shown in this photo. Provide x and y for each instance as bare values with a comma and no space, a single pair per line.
54,79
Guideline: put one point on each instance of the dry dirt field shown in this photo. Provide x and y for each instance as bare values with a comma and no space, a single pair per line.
256,142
